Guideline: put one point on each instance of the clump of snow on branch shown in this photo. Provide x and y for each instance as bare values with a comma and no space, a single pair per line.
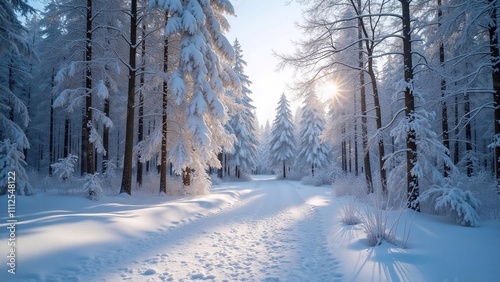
454,202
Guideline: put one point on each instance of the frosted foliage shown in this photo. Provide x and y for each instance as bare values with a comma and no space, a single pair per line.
9,128
312,151
93,186
199,81
65,167
244,154
282,142
454,202
12,162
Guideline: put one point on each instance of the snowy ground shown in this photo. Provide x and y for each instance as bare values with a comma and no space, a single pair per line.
262,230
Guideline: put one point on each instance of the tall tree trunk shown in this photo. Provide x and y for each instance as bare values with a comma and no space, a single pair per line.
468,135
67,135
356,164
456,145
51,126
444,107
87,124
105,136
411,144
284,170
364,119
344,144
126,186
220,158
140,122
495,53
163,161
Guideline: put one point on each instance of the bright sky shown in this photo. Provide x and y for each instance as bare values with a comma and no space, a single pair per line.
262,26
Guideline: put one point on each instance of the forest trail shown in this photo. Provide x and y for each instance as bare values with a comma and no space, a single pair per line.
272,234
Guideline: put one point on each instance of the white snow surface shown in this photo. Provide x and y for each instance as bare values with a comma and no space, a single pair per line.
261,230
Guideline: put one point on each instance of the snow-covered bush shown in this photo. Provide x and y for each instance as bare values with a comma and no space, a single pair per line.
93,186
65,167
454,202
109,172
12,167
350,185
349,214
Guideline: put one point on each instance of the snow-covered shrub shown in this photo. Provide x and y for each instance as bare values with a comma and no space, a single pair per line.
93,186
65,167
109,172
12,168
349,214
454,202
350,185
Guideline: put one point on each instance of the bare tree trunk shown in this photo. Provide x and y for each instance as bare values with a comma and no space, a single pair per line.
51,127
163,169
140,122
126,186
456,145
444,107
411,144
468,135
67,135
364,119
87,123
284,170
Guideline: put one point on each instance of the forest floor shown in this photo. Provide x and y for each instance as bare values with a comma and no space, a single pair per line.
260,230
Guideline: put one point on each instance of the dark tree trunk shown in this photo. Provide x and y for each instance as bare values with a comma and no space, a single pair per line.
186,176
140,122
444,107
356,164
163,169
411,144
126,186
105,136
67,135
87,124
364,119
456,145
220,170
284,169
468,135
344,145
51,127
495,53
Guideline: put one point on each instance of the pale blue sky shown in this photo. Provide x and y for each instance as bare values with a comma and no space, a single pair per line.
262,26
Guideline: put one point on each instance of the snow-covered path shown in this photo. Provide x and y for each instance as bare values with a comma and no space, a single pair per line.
272,234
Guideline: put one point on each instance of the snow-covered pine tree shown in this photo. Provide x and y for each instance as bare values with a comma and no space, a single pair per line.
282,144
13,111
12,161
65,167
263,160
199,84
313,152
244,154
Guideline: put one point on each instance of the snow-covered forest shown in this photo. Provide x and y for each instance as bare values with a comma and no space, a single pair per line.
399,107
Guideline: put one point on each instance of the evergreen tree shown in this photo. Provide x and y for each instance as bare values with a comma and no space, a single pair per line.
12,165
313,152
199,84
282,145
244,153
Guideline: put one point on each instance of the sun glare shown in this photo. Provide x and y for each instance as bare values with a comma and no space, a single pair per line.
329,90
